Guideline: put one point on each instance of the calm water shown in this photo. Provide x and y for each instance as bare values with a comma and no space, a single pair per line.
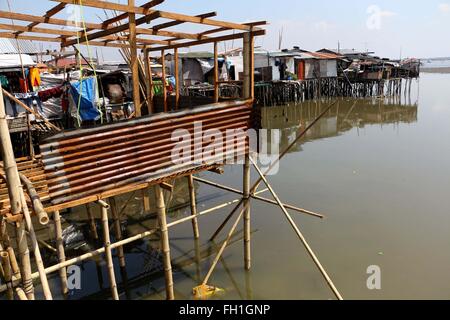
379,171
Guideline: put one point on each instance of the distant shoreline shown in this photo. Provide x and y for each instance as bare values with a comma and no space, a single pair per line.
435,70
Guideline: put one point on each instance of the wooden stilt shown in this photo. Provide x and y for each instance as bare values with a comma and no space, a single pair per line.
246,191
108,250
177,79
161,207
60,250
92,223
193,202
146,200
117,231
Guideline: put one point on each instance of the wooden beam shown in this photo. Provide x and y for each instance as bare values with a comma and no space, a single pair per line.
58,8
122,16
9,35
117,29
175,34
163,14
209,40
29,28
216,30
176,23
39,19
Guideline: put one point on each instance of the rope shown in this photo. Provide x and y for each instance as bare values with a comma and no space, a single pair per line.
84,29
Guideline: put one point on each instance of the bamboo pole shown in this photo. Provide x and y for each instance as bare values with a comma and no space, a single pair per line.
14,192
299,234
60,251
193,203
134,64
216,72
7,274
163,79
21,294
117,230
108,251
92,224
36,203
177,79
146,200
255,196
246,197
161,207
35,248
148,82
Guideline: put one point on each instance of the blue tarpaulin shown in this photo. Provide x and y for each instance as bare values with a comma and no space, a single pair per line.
87,109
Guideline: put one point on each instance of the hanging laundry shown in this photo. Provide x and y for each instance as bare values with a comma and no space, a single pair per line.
35,78
23,85
86,105
47,94
4,81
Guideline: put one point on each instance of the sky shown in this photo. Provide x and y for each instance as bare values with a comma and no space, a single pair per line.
391,28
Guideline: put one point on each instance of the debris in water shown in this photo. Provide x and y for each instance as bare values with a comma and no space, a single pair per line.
204,291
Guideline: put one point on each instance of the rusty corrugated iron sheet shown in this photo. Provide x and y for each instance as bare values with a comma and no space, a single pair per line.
87,162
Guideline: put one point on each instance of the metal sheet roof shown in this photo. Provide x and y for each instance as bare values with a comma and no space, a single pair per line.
9,46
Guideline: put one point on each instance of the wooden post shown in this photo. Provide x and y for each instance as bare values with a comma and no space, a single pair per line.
249,76
177,79
161,208
193,202
92,224
163,79
149,82
117,230
216,73
14,192
108,251
134,63
146,200
61,253
246,203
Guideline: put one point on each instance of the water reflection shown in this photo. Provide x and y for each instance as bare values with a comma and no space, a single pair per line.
346,115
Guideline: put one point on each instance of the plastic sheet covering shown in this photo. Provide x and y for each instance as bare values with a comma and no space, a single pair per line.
52,107
87,105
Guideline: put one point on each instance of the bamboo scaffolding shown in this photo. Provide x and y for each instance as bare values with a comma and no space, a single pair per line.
60,251
254,196
92,223
7,274
15,193
35,248
193,205
298,232
108,250
247,226
161,207
117,230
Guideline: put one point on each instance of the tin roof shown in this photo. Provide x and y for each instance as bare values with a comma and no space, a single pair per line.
9,46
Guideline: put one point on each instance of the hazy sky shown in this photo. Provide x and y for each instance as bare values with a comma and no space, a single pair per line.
411,27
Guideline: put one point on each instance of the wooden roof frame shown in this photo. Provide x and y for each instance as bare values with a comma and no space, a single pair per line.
115,32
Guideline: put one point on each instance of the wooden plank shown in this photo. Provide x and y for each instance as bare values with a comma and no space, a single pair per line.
58,8
163,14
176,23
39,19
149,82
216,30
